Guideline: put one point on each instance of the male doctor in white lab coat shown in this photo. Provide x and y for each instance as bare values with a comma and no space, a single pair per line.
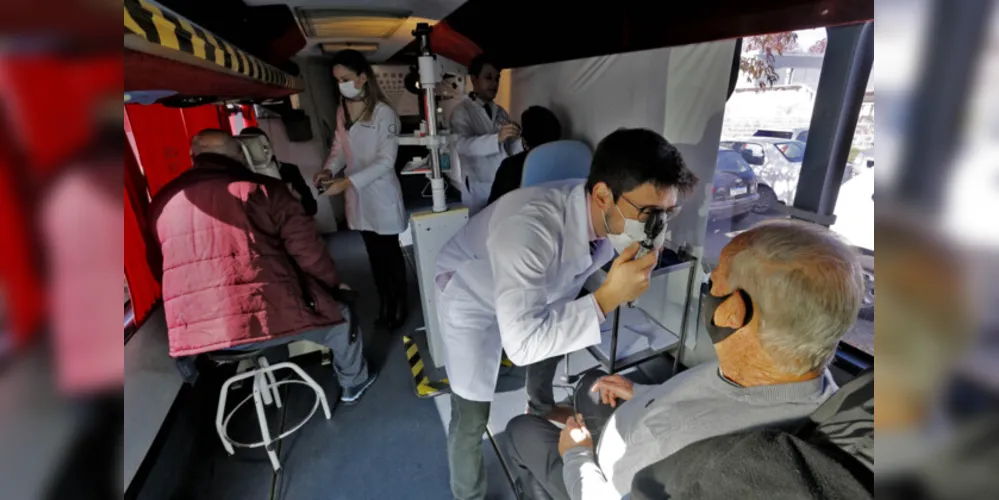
485,134
510,280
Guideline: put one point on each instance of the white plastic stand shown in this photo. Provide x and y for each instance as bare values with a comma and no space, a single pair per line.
431,231
265,392
437,191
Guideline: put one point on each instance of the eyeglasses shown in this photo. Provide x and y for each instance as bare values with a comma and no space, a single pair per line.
644,213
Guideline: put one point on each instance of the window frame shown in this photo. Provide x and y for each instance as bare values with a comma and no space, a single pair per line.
762,146
744,166
776,145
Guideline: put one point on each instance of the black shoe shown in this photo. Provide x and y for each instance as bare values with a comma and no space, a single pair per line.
351,395
398,322
401,310
385,317
384,323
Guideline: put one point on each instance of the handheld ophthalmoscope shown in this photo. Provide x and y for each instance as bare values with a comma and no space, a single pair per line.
655,225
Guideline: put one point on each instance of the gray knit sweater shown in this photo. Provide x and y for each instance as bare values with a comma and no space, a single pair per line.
660,420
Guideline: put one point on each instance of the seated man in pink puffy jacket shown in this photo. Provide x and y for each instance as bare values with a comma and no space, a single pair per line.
243,265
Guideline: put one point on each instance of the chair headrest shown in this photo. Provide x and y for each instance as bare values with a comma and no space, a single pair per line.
556,161
752,464
259,155
846,419
810,463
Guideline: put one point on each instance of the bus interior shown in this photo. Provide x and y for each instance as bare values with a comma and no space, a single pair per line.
229,64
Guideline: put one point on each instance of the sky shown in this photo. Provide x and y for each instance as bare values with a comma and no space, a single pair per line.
808,37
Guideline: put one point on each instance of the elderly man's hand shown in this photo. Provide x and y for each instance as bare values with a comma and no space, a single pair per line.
574,435
612,388
321,177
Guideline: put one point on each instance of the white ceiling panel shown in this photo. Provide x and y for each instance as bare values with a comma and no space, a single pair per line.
387,23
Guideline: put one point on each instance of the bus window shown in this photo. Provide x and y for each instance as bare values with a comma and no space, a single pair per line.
768,125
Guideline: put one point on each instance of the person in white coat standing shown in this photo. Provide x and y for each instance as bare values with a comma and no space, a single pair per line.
365,148
484,133
510,281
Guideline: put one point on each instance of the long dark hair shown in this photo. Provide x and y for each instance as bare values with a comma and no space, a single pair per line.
356,62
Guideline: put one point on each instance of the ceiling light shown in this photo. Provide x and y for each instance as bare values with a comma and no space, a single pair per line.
349,23
334,47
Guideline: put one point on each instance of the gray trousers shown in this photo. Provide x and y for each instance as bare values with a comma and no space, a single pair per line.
348,357
534,441
468,424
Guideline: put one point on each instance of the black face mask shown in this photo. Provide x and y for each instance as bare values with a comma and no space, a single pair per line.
710,303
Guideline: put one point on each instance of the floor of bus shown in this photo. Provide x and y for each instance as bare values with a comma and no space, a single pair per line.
392,444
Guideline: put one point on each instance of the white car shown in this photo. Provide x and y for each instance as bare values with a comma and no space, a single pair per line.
855,211
777,165
861,163
855,222
798,134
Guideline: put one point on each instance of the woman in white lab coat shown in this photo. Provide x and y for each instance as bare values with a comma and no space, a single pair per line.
365,148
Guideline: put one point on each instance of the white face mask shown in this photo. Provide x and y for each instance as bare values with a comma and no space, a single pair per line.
348,90
633,231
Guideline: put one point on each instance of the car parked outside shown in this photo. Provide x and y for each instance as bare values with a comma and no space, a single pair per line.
861,163
798,134
733,187
777,165
855,223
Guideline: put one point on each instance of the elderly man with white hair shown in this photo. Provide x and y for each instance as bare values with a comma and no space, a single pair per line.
782,296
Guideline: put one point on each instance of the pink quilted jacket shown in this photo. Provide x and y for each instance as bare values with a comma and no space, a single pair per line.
227,245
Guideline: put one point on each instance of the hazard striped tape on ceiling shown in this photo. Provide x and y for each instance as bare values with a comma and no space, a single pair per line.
161,26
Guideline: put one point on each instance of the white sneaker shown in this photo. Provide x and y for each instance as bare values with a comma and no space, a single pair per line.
351,395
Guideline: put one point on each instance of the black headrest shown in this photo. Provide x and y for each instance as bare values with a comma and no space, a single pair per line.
760,464
846,420
830,456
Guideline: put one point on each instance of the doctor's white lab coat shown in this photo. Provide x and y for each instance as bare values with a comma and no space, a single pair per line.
374,200
509,280
477,143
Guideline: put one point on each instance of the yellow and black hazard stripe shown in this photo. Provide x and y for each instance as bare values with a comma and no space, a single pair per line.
164,27
425,388
505,361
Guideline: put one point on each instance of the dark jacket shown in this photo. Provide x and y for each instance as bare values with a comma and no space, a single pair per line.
291,174
231,241
508,176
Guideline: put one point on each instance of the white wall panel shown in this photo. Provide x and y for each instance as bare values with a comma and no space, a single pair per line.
679,92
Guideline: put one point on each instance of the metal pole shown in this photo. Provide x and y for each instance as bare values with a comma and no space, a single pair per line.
677,360
430,103
429,78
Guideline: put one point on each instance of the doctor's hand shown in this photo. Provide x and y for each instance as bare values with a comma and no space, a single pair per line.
336,187
612,388
323,176
627,279
574,435
508,131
